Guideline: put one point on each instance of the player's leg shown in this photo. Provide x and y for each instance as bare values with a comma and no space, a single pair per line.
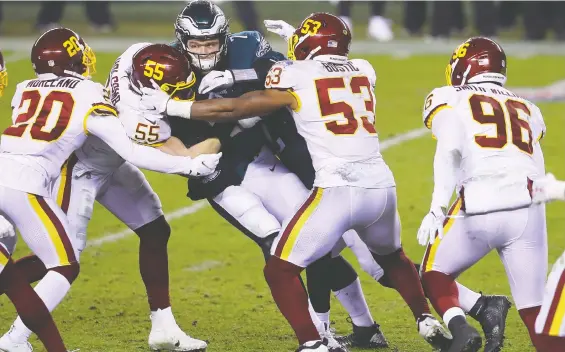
524,255
382,237
281,193
29,306
307,236
444,260
128,196
44,228
66,191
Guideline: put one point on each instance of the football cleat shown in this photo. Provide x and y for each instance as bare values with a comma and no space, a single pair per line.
364,337
433,332
465,337
313,346
332,343
7,345
491,312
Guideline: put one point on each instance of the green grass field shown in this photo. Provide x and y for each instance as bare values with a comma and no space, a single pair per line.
217,287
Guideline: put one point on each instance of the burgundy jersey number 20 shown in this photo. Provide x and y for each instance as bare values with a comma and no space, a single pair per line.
41,113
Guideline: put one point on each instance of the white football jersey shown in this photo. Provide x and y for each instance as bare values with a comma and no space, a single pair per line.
49,122
497,133
141,127
336,116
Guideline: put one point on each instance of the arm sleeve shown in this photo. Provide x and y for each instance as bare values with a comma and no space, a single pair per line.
447,157
111,131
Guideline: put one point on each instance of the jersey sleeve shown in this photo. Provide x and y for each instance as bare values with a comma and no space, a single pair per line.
537,123
281,76
144,128
438,100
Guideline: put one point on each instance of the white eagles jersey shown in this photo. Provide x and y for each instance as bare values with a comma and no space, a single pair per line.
49,122
497,133
336,116
142,127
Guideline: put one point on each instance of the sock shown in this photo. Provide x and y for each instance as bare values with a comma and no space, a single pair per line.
324,319
318,281
290,297
467,298
452,313
542,343
401,274
51,289
154,262
441,291
31,308
318,323
353,300
162,317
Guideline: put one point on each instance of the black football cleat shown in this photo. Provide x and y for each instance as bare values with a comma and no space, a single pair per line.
465,337
491,312
364,337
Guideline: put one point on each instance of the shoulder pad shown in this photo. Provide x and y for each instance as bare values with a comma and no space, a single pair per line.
281,75
366,68
252,40
437,100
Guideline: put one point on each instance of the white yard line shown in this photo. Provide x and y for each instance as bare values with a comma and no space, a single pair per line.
182,212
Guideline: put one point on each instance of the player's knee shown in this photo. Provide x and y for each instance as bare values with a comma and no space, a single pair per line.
70,272
390,260
343,273
157,231
266,244
277,268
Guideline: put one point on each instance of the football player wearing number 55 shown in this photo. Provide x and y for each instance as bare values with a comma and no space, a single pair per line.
332,103
488,150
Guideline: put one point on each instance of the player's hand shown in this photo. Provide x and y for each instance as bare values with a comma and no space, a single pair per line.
431,225
216,81
547,189
6,228
204,164
154,99
280,28
249,122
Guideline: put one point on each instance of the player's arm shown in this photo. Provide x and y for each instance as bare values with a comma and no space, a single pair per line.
256,103
447,157
104,124
174,146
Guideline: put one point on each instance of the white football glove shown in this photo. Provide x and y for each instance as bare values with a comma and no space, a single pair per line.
154,99
547,189
6,228
216,81
280,28
204,164
431,224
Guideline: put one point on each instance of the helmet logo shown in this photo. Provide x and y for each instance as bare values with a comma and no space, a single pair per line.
153,70
310,26
72,45
461,51
345,32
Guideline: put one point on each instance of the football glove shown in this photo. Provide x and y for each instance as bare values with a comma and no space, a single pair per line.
547,189
432,224
216,81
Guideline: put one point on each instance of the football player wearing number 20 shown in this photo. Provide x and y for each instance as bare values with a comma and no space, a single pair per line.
35,148
349,166
27,302
488,149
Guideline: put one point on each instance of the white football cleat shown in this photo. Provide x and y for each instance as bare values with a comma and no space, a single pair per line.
7,345
166,335
332,343
313,346
433,332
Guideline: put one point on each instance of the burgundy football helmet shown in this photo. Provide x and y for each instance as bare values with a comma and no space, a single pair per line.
3,75
63,52
168,67
319,34
477,60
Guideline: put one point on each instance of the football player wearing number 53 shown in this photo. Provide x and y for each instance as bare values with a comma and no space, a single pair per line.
332,103
488,150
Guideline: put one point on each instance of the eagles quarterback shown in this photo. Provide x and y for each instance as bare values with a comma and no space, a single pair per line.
229,65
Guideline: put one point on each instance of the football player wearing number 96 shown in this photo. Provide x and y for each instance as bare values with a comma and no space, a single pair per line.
53,115
488,150
331,100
